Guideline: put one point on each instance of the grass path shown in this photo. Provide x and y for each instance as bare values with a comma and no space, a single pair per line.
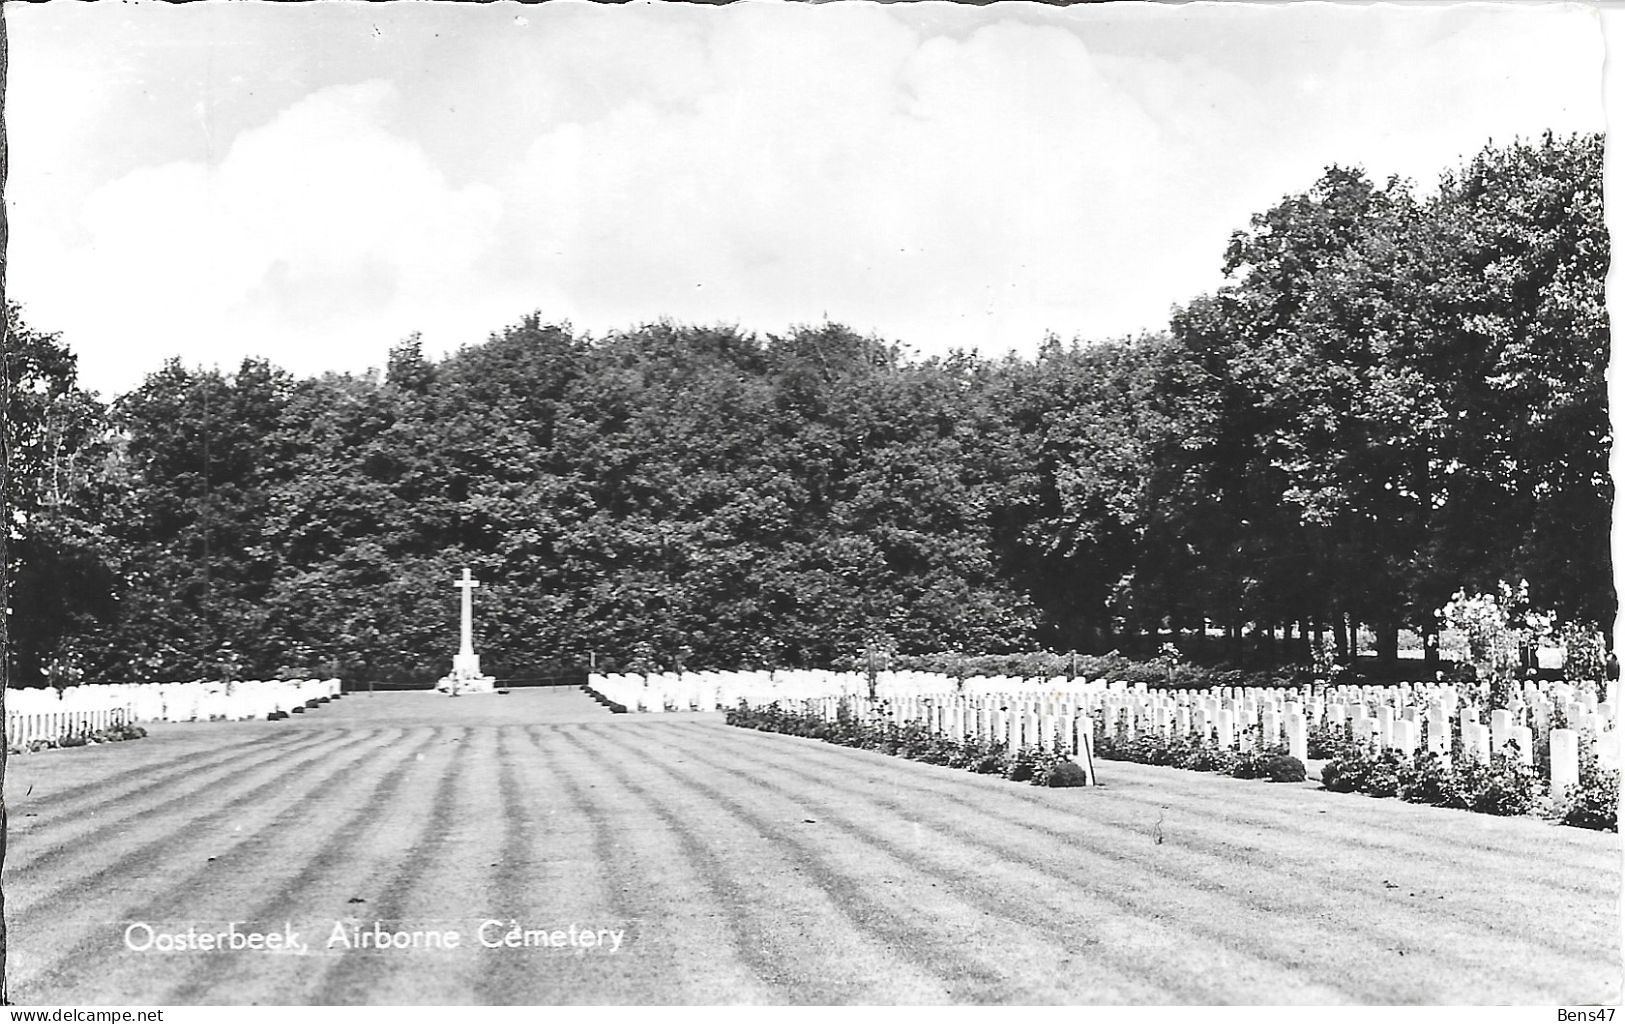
742,867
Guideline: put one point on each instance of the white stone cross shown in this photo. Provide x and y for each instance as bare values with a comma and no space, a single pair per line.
467,585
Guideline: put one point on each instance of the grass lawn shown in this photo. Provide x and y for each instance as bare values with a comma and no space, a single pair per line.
738,866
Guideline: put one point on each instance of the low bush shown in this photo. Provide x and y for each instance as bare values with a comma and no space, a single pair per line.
1201,755
913,741
1285,768
1266,763
1425,779
112,734
1594,803
1323,740
1503,786
1060,773
1354,769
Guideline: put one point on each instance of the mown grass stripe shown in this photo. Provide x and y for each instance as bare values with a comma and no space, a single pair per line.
369,798
969,978
751,943
692,971
141,773
1289,807
80,960
347,983
1136,972
69,826
1454,943
199,811
556,872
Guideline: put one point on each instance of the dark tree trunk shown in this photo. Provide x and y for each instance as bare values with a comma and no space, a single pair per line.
1388,649
1430,649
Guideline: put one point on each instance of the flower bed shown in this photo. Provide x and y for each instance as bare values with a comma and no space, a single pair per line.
1025,764
1202,755
1504,785
112,734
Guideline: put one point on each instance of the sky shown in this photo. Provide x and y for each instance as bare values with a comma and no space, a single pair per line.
312,183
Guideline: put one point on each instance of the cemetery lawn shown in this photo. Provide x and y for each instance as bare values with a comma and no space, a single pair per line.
746,867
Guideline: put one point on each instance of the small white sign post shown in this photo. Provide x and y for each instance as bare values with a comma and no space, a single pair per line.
466,676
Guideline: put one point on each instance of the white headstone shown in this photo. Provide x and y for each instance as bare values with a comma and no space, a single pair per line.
1500,729
1565,760
1524,737
1297,736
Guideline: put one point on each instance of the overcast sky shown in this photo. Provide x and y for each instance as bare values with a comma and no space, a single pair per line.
313,182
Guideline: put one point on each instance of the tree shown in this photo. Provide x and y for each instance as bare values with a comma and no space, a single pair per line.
193,525
60,562
1521,259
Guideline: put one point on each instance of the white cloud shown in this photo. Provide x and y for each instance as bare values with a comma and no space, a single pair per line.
946,177
318,230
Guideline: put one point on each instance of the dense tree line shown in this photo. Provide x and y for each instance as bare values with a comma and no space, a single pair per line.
1393,397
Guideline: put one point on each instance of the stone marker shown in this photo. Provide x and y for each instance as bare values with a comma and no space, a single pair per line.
1405,736
1269,727
1084,755
1297,736
1565,760
1160,720
1385,727
1524,737
1360,725
1500,729
1438,728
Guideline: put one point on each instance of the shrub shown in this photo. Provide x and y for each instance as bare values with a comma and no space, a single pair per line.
1021,766
1250,764
1272,763
1285,768
1425,779
1208,756
987,763
1063,772
911,741
1505,788
1594,803
1324,741
1354,769
111,734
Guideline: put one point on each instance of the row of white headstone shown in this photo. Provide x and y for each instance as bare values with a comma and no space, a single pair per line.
1263,718
707,691
1053,727
52,715
1385,717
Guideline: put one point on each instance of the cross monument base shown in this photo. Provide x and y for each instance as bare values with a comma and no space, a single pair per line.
466,677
